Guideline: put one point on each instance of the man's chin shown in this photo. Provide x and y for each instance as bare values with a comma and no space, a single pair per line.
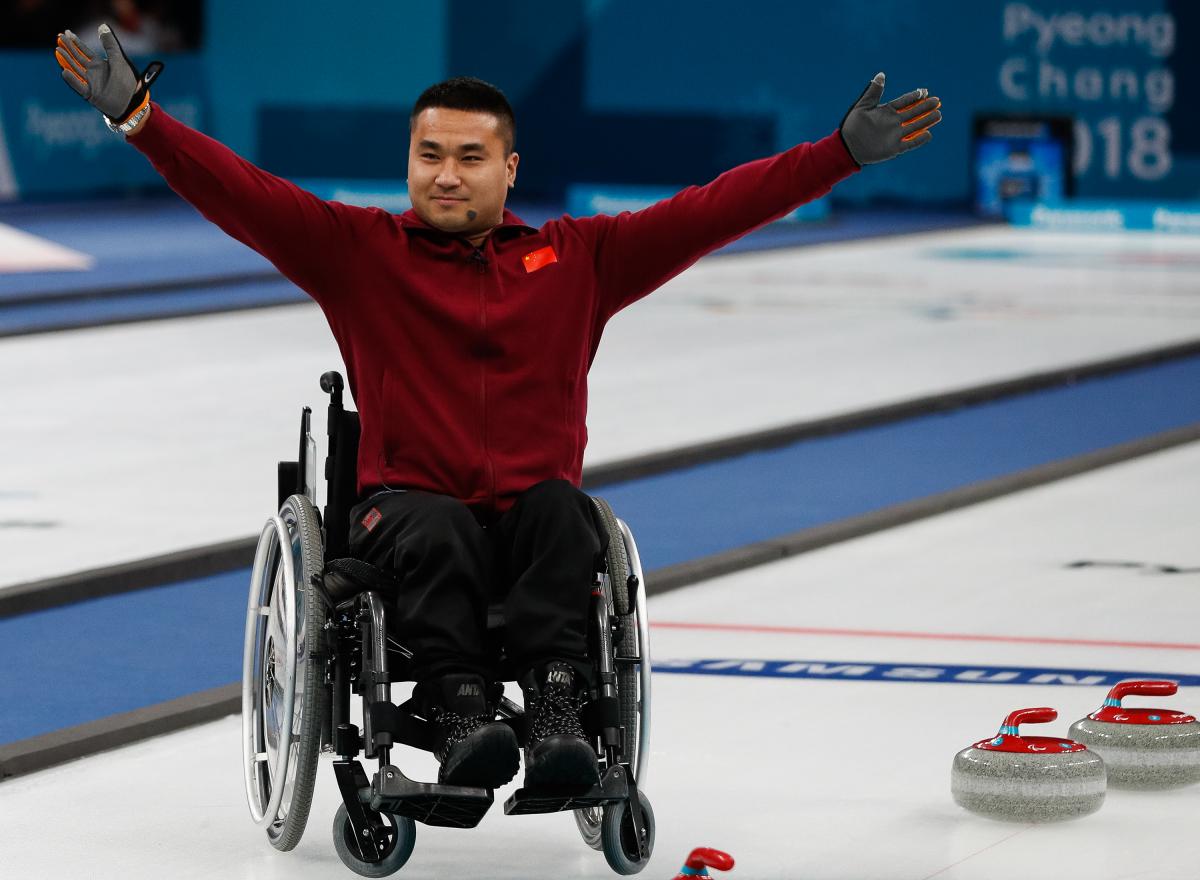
456,221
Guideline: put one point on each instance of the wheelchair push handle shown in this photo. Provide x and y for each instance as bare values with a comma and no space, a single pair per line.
332,384
332,381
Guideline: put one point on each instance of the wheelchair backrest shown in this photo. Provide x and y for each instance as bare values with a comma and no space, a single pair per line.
341,476
341,469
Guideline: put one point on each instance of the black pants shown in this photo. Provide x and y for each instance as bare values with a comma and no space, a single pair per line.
539,559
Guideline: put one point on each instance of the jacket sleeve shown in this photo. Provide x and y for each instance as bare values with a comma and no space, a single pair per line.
305,237
638,252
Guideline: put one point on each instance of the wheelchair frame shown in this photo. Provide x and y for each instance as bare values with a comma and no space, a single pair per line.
317,619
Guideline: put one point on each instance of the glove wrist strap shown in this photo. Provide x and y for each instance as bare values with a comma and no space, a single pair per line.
133,119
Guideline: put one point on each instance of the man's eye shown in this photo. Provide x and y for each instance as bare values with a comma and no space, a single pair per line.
428,155
472,158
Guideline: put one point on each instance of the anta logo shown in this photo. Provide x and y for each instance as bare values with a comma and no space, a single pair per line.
372,519
469,690
559,676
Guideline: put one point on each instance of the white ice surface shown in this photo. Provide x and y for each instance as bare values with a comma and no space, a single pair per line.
21,251
798,779
126,442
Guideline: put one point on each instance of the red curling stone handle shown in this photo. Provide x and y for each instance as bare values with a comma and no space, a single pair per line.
1031,716
703,857
1143,689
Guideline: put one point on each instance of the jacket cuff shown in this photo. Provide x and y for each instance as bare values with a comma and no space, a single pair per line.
831,155
153,135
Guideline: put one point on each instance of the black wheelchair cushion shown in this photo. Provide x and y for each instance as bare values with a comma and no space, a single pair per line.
346,578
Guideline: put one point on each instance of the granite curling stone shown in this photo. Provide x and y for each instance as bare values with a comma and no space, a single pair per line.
1143,748
1028,778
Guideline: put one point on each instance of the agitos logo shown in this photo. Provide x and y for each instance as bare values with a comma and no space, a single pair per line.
912,673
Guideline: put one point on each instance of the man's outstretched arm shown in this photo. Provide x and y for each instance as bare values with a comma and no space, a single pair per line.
302,235
638,252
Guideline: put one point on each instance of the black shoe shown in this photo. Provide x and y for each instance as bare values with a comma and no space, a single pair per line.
558,751
474,749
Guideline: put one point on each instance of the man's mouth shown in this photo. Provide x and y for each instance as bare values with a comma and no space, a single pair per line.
447,200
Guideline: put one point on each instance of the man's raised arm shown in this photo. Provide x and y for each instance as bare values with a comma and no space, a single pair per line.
638,252
282,222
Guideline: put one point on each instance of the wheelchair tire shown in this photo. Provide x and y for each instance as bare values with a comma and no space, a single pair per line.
278,756
617,840
617,558
403,838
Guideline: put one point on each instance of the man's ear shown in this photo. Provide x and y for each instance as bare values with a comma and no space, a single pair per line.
513,159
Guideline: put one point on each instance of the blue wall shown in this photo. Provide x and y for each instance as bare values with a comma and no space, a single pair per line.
304,54
671,93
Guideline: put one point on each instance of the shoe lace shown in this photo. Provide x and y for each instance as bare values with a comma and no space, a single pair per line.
455,728
556,711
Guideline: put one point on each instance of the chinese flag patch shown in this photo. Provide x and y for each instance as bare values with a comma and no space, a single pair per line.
372,519
539,259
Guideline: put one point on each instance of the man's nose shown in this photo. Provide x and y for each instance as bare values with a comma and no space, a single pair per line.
447,176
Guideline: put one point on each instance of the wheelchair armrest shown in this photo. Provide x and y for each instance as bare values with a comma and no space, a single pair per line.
346,578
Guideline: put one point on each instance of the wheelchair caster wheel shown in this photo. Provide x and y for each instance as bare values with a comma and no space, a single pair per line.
401,838
617,839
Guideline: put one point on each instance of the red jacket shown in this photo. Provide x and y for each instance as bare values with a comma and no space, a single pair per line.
468,370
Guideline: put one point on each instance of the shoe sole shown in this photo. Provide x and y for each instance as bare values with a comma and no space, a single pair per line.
489,762
561,760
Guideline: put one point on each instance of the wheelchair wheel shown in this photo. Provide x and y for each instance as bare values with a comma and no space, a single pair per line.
402,837
617,836
618,558
284,694
588,821
632,692
633,682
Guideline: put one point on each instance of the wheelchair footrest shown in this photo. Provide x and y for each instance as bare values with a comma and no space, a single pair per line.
612,788
450,806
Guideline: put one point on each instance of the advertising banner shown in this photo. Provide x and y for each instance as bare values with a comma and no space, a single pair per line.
53,143
1112,69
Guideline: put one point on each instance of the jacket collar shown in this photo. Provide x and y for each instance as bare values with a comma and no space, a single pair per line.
510,226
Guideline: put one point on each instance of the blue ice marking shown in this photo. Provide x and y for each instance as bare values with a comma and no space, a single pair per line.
911,673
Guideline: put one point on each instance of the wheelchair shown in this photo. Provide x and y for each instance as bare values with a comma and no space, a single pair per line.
316,632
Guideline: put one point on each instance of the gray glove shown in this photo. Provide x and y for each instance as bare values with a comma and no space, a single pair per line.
874,132
110,84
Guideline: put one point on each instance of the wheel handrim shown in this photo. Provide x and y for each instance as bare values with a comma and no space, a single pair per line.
267,742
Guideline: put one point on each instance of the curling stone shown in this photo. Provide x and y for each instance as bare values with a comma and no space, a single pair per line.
1143,748
701,859
1028,778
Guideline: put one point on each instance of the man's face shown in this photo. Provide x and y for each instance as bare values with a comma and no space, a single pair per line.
459,170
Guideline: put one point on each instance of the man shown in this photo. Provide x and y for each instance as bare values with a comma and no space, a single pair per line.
467,338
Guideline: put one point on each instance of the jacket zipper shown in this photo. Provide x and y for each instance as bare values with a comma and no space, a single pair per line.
481,262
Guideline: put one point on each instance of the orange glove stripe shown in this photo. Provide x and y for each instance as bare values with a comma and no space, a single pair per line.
917,134
918,119
77,52
66,65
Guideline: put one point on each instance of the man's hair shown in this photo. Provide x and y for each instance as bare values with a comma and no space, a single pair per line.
469,93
